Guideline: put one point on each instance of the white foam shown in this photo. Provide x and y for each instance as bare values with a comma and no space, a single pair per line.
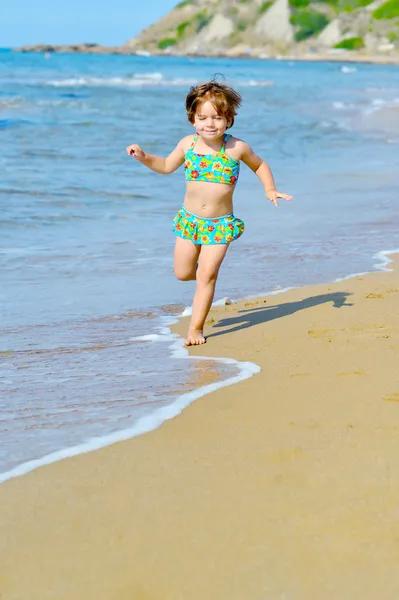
151,76
137,80
384,260
256,83
346,69
379,104
382,263
148,423
343,105
187,312
152,337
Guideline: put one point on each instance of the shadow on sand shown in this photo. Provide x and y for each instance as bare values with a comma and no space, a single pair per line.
253,316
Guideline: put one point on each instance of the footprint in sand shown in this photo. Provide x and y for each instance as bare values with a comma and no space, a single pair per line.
319,333
344,374
391,398
255,303
300,374
370,332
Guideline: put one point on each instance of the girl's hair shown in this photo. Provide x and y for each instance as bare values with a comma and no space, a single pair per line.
225,100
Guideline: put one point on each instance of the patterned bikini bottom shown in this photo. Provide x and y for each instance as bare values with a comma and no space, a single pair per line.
221,230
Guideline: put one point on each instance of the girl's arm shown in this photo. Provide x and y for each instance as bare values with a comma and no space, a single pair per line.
158,163
262,170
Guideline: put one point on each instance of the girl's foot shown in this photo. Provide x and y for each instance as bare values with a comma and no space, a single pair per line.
195,337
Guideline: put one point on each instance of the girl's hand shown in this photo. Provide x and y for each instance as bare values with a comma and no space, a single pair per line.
135,151
272,195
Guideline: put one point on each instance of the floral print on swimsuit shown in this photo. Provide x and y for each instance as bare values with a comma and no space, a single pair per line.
215,168
221,230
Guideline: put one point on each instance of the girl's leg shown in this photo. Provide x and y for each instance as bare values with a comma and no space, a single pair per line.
186,257
211,257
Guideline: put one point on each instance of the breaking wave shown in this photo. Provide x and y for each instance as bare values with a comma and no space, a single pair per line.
136,80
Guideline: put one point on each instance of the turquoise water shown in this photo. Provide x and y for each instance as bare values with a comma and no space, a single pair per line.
86,247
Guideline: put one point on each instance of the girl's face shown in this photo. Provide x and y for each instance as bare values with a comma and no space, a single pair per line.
209,124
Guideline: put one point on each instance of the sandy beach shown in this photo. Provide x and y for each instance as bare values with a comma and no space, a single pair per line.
283,487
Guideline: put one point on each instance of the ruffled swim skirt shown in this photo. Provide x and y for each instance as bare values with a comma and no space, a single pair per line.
221,230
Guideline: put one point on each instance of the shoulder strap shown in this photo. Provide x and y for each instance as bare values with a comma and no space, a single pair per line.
194,141
225,139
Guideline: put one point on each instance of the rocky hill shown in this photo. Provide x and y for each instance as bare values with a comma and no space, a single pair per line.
275,27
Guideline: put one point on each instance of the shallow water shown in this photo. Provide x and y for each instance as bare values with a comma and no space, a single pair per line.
86,247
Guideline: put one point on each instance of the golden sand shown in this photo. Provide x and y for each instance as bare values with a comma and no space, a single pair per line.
282,487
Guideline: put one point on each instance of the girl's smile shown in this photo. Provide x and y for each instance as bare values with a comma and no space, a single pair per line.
208,122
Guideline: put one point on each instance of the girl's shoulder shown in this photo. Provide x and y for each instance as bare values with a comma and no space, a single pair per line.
186,142
236,147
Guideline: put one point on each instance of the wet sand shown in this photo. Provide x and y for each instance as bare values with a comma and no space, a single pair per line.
284,486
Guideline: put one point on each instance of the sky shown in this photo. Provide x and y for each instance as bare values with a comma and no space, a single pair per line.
107,22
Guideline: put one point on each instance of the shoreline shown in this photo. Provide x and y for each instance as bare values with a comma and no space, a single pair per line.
176,348
281,486
96,49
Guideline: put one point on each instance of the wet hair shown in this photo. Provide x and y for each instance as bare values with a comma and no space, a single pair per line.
225,100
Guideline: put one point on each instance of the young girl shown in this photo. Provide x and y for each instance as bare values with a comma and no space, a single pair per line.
205,225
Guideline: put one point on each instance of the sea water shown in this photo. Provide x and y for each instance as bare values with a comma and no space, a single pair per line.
86,254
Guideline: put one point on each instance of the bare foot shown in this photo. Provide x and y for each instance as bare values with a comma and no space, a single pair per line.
195,337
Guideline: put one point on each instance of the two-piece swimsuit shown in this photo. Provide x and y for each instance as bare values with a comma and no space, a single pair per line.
215,168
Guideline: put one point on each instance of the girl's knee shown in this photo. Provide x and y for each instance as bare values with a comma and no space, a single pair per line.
207,275
184,275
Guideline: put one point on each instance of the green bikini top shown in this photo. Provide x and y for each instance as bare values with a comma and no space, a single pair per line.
215,168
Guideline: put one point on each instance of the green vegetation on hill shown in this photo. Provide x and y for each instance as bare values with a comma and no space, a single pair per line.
299,3
338,5
388,10
184,3
180,29
203,18
244,26
349,5
166,43
310,23
264,7
353,43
